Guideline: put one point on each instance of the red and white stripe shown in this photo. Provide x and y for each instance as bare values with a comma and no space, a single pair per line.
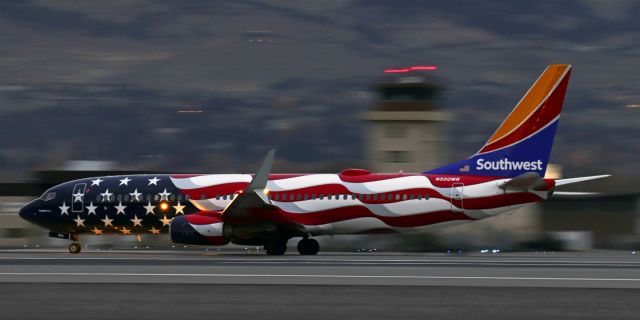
481,198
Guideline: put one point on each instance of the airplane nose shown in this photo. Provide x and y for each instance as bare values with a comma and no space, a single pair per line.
26,212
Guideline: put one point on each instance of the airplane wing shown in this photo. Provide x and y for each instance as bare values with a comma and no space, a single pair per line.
252,205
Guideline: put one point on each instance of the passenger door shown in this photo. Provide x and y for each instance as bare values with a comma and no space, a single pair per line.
457,197
77,197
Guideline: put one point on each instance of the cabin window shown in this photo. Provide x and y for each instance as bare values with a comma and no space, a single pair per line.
180,197
346,196
172,198
187,197
404,197
98,198
299,197
306,196
368,197
126,198
412,196
156,197
202,197
313,196
397,196
383,197
119,198
353,197
375,197
321,196
284,197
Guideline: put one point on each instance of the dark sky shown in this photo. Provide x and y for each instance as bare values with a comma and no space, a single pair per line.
103,80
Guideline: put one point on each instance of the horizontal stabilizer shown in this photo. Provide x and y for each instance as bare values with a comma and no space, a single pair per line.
568,194
525,181
562,182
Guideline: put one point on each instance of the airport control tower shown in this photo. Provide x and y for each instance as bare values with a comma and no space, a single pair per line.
406,131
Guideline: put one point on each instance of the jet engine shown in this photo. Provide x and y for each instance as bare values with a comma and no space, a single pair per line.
197,228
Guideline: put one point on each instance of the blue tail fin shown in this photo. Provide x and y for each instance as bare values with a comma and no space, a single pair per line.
523,141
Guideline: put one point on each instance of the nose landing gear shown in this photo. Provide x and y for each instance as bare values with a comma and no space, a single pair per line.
75,247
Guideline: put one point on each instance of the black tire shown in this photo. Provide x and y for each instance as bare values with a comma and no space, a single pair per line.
308,247
276,247
75,248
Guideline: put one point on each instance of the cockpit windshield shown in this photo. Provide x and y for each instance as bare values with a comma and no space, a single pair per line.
48,196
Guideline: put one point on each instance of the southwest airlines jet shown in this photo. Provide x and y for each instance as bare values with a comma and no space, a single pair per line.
268,209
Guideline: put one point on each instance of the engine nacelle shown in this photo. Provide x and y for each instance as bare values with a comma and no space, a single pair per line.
200,229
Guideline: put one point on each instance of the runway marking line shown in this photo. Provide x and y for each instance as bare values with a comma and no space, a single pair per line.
363,262
214,275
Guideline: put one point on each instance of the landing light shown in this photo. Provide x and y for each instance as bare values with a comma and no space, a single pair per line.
164,206
265,191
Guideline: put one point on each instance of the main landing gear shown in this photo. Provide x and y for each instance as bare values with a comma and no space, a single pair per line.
276,247
306,247
75,247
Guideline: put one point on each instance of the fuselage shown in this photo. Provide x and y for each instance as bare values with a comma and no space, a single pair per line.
352,202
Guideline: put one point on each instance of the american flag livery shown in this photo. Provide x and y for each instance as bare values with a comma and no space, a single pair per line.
269,209
362,203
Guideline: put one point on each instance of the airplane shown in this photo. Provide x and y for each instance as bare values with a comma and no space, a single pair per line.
266,209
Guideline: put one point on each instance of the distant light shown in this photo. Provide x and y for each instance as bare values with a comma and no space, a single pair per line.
424,68
409,69
633,106
397,70
190,111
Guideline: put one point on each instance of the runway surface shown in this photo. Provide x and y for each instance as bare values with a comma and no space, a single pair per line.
201,284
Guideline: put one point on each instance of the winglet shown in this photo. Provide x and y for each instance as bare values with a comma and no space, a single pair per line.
259,181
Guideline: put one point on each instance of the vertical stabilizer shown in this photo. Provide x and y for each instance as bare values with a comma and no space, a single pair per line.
522,143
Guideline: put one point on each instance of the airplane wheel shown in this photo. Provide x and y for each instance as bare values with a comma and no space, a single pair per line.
276,247
75,248
308,247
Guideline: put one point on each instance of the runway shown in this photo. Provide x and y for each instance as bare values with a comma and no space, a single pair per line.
365,285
